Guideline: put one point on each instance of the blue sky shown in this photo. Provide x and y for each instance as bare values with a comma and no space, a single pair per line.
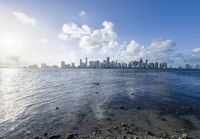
144,21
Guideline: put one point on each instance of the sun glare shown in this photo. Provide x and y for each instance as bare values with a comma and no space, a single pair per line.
10,43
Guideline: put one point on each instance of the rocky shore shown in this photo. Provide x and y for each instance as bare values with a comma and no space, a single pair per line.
137,123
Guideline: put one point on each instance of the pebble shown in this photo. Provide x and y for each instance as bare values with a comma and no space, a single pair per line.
69,136
28,133
46,134
96,83
55,137
123,124
138,107
115,128
184,136
57,108
121,107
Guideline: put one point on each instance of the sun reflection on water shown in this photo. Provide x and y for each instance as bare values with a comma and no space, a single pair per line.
8,94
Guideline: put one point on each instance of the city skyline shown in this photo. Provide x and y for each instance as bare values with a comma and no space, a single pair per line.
114,64
51,31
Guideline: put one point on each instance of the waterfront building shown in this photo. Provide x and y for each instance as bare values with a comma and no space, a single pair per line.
62,64
86,62
108,62
156,65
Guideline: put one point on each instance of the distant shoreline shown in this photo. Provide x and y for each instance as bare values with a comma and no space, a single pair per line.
101,68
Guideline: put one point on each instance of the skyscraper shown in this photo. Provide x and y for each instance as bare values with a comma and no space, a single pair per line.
62,64
86,62
108,62
156,65
80,63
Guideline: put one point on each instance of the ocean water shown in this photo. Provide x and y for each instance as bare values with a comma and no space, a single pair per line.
29,97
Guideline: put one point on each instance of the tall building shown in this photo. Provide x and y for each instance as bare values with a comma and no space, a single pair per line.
81,63
86,62
108,62
146,62
73,65
141,65
156,65
62,64
43,65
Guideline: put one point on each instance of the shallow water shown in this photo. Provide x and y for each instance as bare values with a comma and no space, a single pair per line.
29,97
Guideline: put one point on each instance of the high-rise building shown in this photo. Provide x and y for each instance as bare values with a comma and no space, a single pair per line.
151,65
86,62
62,64
73,65
146,62
81,63
43,65
156,65
141,65
108,62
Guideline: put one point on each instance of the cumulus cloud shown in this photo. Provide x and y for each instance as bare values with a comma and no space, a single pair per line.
82,13
99,38
104,41
196,50
71,31
23,18
43,41
162,45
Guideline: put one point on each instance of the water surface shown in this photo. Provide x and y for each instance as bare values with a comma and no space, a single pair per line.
29,97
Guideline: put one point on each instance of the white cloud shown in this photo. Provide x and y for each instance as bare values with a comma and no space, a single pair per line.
162,45
43,41
103,42
70,31
24,18
99,38
133,47
82,13
196,50
63,37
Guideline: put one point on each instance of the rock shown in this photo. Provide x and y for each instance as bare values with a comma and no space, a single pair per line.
95,83
163,134
94,133
138,107
174,137
45,134
149,132
97,92
136,137
183,130
132,93
37,137
123,124
163,119
115,128
129,132
28,133
108,119
55,137
57,108
123,108
184,136
70,136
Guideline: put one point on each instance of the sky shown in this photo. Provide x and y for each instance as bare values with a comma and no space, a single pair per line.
50,31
